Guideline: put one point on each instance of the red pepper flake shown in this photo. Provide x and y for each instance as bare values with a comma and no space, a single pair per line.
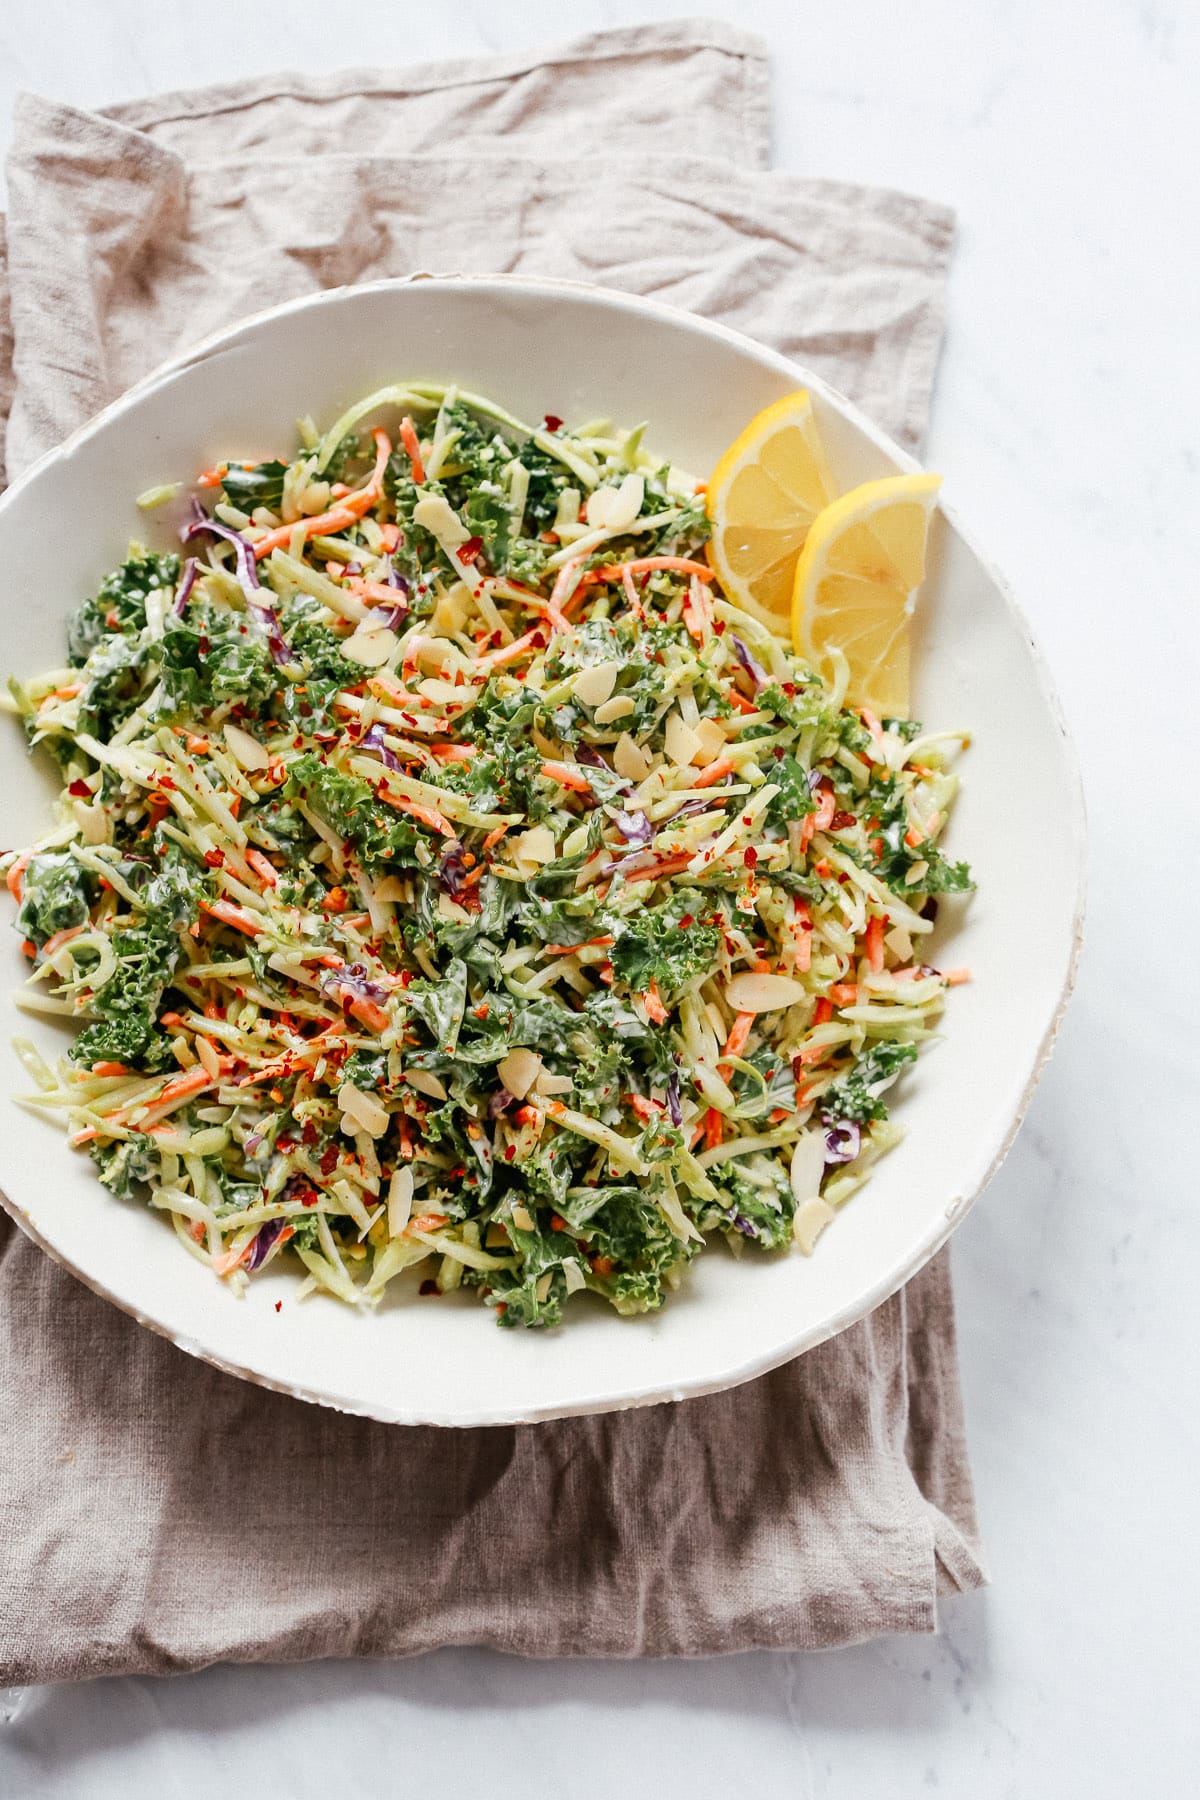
552,422
215,859
686,920
469,551
81,790
429,1287
719,627
557,1224
308,1133
841,820
510,1152
307,1196
750,858
279,1306
329,1158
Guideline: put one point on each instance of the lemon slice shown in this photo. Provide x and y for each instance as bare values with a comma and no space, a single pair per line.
856,586
763,495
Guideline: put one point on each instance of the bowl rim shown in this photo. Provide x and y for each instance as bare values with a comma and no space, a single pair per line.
1073,839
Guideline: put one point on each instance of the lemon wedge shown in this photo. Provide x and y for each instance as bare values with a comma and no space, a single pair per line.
856,585
763,495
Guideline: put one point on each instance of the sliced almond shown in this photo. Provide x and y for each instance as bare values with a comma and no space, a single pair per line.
679,741
809,1222
614,508
450,613
535,846
442,693
619,707
712,741
522,1218
425,1083
807,1167
574,1275
92,822
399,1200
451,910
764,993
899,943
593,686
391,890
519,1070
245,750
629,759
371,649
362,1110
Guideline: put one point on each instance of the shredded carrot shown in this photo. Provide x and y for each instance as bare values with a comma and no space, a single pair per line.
266,870
496,659
453,752
956,977
425,815
570,949
412,447
13,879
740,701
655,1010
714,1128
716,771
568,776
875,925
426,1222
110,1068
735,1043
229,1260
83,1137
683,564
642,1108
369,1014
666,865
183,1086
826,807
823,1012
872,724
802,952
346,512
378,592
59,938
844,993
236,916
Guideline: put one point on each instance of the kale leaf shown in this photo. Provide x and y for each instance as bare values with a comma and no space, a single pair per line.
855,1095
670,944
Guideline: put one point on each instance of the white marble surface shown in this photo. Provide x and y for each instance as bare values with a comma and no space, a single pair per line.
1067,424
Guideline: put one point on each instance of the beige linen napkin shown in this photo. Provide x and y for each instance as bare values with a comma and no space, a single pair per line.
160,1516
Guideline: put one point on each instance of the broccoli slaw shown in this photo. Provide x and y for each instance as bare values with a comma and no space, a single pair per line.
449,876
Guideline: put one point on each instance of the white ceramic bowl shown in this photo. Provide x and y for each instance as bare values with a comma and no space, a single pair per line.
579,352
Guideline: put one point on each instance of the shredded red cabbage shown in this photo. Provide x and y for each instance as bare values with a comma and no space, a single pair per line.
247,576
749,662
635,828
185,586
843,1140
374,740
263,1243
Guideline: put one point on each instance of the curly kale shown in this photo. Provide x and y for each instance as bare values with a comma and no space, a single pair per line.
670,944
119,605
855,1095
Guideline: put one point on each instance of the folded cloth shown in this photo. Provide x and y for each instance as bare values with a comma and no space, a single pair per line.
160,1515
